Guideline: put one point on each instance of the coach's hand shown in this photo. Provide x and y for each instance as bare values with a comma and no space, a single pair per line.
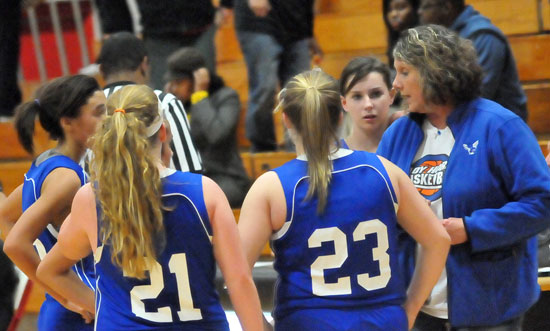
455,228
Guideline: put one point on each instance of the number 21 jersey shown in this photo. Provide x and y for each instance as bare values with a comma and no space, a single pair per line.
178,292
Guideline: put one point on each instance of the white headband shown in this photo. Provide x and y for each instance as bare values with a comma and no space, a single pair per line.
155,126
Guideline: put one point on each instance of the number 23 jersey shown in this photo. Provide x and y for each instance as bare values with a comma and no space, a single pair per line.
344,257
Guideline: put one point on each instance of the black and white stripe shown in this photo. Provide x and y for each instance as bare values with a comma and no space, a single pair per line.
185,156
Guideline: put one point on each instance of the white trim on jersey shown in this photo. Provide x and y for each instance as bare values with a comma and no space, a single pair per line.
98,309
75,268
284,229
50,227
33,186
52,230
84,273
196,210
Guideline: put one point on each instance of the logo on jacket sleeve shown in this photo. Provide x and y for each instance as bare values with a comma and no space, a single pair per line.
427,175
471,149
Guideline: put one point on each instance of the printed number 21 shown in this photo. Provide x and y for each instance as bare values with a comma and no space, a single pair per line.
178,266
336,260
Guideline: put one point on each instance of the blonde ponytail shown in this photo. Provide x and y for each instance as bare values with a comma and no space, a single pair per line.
129,187
312,102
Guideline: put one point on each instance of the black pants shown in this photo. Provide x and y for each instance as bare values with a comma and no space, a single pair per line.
8,282
425,322
536,317
10,26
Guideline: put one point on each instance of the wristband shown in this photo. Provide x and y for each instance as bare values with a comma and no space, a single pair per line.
198,96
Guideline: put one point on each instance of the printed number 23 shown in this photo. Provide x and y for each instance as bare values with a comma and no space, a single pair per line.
336,260
178,266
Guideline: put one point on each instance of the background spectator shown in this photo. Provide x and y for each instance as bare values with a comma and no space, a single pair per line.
276,38
501,81
214,110
167,26
399,15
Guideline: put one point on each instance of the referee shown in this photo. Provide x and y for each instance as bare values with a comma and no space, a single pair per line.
123,61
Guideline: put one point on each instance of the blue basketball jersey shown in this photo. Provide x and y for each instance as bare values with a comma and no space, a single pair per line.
341,264
179,293
53,316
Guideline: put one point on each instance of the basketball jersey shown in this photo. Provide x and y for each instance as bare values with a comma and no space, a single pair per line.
179,292
344,259
53,316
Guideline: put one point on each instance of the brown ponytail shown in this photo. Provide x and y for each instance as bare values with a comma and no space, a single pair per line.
62,97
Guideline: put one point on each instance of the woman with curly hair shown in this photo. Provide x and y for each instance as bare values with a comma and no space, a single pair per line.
481,168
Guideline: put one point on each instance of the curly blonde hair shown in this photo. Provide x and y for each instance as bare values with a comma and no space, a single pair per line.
128,180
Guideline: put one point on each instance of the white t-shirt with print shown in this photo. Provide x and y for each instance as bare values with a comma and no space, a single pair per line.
427,173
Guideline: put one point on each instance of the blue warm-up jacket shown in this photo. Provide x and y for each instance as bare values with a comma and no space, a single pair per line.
496,180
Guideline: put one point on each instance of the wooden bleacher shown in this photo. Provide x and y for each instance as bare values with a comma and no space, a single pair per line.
14,160
345,29
544,283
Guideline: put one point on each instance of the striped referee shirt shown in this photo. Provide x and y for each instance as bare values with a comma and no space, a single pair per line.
185,156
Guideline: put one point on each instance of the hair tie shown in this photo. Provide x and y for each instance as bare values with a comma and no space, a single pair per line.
120,110
37,102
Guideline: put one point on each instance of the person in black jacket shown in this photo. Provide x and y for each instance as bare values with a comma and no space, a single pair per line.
501,82
214,110
167,26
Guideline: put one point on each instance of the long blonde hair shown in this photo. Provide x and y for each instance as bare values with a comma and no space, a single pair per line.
311,101
128,180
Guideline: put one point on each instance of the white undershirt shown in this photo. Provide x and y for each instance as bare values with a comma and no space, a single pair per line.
429,166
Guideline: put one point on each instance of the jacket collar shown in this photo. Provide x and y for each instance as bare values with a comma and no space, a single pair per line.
455,120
